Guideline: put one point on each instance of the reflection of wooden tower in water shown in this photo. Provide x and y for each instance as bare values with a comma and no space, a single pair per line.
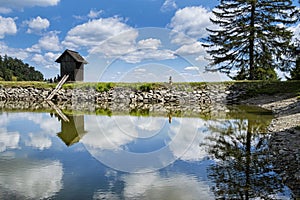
72,131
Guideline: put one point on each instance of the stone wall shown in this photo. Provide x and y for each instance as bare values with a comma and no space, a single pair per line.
179,94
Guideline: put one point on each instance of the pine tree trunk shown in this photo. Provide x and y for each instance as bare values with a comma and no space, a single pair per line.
251,41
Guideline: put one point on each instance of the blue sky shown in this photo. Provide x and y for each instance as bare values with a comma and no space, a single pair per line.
123,40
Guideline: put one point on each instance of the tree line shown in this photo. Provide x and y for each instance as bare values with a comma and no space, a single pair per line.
13,69
252,38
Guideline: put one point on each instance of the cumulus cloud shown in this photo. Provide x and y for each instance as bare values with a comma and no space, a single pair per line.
49,42
8,26
191,68
149,43
13,52
168,6
36,25
190,22
94,13
47,60
17,4
95,32
191,49
148,54
5,10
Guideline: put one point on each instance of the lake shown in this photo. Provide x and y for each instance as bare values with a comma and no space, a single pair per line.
137,155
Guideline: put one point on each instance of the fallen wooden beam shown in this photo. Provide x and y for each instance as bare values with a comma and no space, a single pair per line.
58,87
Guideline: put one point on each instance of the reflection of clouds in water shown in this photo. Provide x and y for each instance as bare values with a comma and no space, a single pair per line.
38,141
31,179
48,126
153,186
107,142
149,126
8,140
185,143
105,133
141,127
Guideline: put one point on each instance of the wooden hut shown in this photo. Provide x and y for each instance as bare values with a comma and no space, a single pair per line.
72,64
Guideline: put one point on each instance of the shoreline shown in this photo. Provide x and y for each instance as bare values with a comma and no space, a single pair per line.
285,107
284,139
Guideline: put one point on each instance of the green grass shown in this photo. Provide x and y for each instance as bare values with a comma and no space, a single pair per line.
100,87
27,84
256,88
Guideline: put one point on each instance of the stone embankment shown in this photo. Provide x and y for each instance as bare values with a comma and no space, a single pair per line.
179,94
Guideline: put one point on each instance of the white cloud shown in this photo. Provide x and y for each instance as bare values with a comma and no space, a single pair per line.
190,49
190,22
95,32
17,4
296,31
94,13
49,42
118,45
4,10
168,6
149,43
191,68
8,26
13,52
146,54
37,24
46,60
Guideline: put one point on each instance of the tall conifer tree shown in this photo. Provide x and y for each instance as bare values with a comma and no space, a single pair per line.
251,37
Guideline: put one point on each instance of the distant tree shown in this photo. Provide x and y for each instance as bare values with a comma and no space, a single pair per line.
13,67
251,38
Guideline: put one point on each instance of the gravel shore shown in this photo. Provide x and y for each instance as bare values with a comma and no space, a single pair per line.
285,137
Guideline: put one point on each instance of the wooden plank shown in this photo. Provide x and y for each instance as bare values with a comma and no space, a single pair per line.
58,87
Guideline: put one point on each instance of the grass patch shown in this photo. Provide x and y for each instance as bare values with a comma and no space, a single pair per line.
27,84
256,88
100,87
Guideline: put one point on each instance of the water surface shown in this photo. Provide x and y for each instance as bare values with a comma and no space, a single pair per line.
132,156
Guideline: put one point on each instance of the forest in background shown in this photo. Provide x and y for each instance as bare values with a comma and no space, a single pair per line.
14,69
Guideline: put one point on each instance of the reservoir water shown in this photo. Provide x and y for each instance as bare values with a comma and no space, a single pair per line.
137,155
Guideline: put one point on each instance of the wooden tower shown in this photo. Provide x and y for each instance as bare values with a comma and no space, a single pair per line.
72,64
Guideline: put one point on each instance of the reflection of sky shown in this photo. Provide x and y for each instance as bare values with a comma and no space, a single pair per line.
31,179
29,143
138,144
156,186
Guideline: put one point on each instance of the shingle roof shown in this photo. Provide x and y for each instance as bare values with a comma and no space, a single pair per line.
75,55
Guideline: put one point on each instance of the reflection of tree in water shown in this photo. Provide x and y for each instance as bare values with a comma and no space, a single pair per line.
242,169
